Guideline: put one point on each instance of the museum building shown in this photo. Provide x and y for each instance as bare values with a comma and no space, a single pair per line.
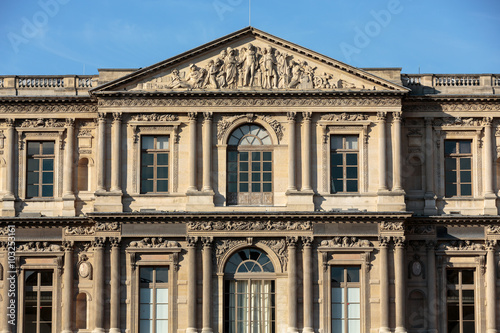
250,185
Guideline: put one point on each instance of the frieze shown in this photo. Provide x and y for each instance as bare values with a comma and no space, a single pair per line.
450,107
153,243
47,108
493,229
154,117
36,123
249,226
346,242
107,226
392,226
40,247
420,230
85,133
80,230
466,245
457,121
250,101
344,117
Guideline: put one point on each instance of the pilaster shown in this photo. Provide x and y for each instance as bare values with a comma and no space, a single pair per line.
292,284
98,244
114,314
8,200
490,197
192,284
400,283
307,284
429,196
207,284
69,165
384,284
491,279
67,304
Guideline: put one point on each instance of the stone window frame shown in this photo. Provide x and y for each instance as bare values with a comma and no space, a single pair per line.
40,134
152,257
151,128
472,133
330,128
346,257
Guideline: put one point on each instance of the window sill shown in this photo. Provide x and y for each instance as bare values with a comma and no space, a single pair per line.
155,195
51,199
353,194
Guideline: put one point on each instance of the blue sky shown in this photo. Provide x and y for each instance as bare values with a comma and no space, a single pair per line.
73,36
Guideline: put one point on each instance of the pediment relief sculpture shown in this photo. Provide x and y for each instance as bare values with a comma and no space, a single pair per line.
252,67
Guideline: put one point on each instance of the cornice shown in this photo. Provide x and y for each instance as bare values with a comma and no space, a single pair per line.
52,105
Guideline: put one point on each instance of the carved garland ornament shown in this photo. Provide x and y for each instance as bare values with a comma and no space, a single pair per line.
249,226
40,247
91,230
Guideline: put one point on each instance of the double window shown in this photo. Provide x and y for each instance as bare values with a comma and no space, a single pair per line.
154,164
38,301
153,299
346,299
344,156
460,300
458,168
40,169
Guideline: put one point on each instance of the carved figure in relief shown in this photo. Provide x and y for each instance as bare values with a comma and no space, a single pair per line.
268,63
196,76
306,80
283,69
219,63
177,82
296,75
230,67
211,77
249,61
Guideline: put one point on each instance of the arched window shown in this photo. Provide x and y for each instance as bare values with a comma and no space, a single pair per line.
81,311
83,175
249,293
249,166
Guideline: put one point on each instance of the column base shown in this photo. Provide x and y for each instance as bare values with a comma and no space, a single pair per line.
292,330
68,205
308,330
400,330
191,330
9,206
491,330
300,200
108,202
384,330
490,204
66,331
430,208
207,330
432,331
200,201
98,330
391,201
115,330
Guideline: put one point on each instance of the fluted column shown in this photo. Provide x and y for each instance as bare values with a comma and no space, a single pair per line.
101,148
382,147
292,284
116,152
9,158
67,292
488,156
114,314
396,167
429,163
384,284
308,284
4,324
207,151
291,151
491,279
98,245
192,283
306,158
192,151
399,283
207,284
68,158
431,287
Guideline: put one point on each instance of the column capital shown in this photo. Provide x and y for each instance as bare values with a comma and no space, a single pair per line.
70,122
68,245
291,241
307,241
117,116
490,244
384,241
381,115
101,116
206,242
192,116
98,242
397,115
9,122
306,115
428,121
115,242
207,116
430,245
487,121
399,242
290,115
191,241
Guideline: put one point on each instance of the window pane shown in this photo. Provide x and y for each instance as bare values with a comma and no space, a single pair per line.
162,326
454,327
162,274
352,274
162,295
337,295
147,172
33,165
255,166
231,156
467,276
336,142
466,189
468,296
243,156
47,177
351,159
337,326
353,295
267,176
30,278
255,156
468,312
47,190
233,141
232,187
451,176
162,172
337,186
465,176
267,187
148,142
162,186
337,172
243,166
451,190
146,186
453,312
47,148
146,295
33,148
464,147
147,159
351,172
145,326
48,164
469,327
243,187
32,191
336,159
267,156
337,274
244,176
351,142
46,278
352,186
33,177
353,310
146,274
337,310
465,164
255,187
450,164
267,166
450,147
162,142
452,276
162,159
354,326
256,177
232,167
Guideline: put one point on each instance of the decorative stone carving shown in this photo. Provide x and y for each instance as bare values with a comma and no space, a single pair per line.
68,245
48,108
420,230
381,115
346,242
153,243
290,115
493,229
461,245
276,125
115,242
416,267
452,106
249,226
192,241
226,122
35,123
279,248
107,226
98,242
80,230
397,116
344,117
84,267
117,116
490,244
392,226
223,246
486,121
154,117
291,240
307,241
40,247
384,241
399,242
458,121
207,241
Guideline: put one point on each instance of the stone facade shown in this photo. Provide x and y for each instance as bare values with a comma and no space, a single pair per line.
250,143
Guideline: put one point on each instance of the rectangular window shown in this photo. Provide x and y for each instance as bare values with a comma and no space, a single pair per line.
346,299
458,168
38,301
153,300
344,155
40,169
154,164
460,300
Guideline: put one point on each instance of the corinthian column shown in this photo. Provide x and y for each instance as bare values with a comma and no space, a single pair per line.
306,159
68,158
192,282
429,175
491,279
291,151
207,284
382,147
399,268
396,167
114,314
9,158
207,151
67,306
192,151
115,152
98,245
308,284
384,284
488,156
292,284
431,287
101,145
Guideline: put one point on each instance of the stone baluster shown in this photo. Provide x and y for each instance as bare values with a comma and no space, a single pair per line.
396,167
98,245
192,284
101,148
431,287
115,286
308,284
207,284
491,279
116,152
306,158
384,284
192,151
292,284
291,151
399,283
382,147
67,292
207,151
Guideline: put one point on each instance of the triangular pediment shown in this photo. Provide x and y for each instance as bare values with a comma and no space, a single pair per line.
249,59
